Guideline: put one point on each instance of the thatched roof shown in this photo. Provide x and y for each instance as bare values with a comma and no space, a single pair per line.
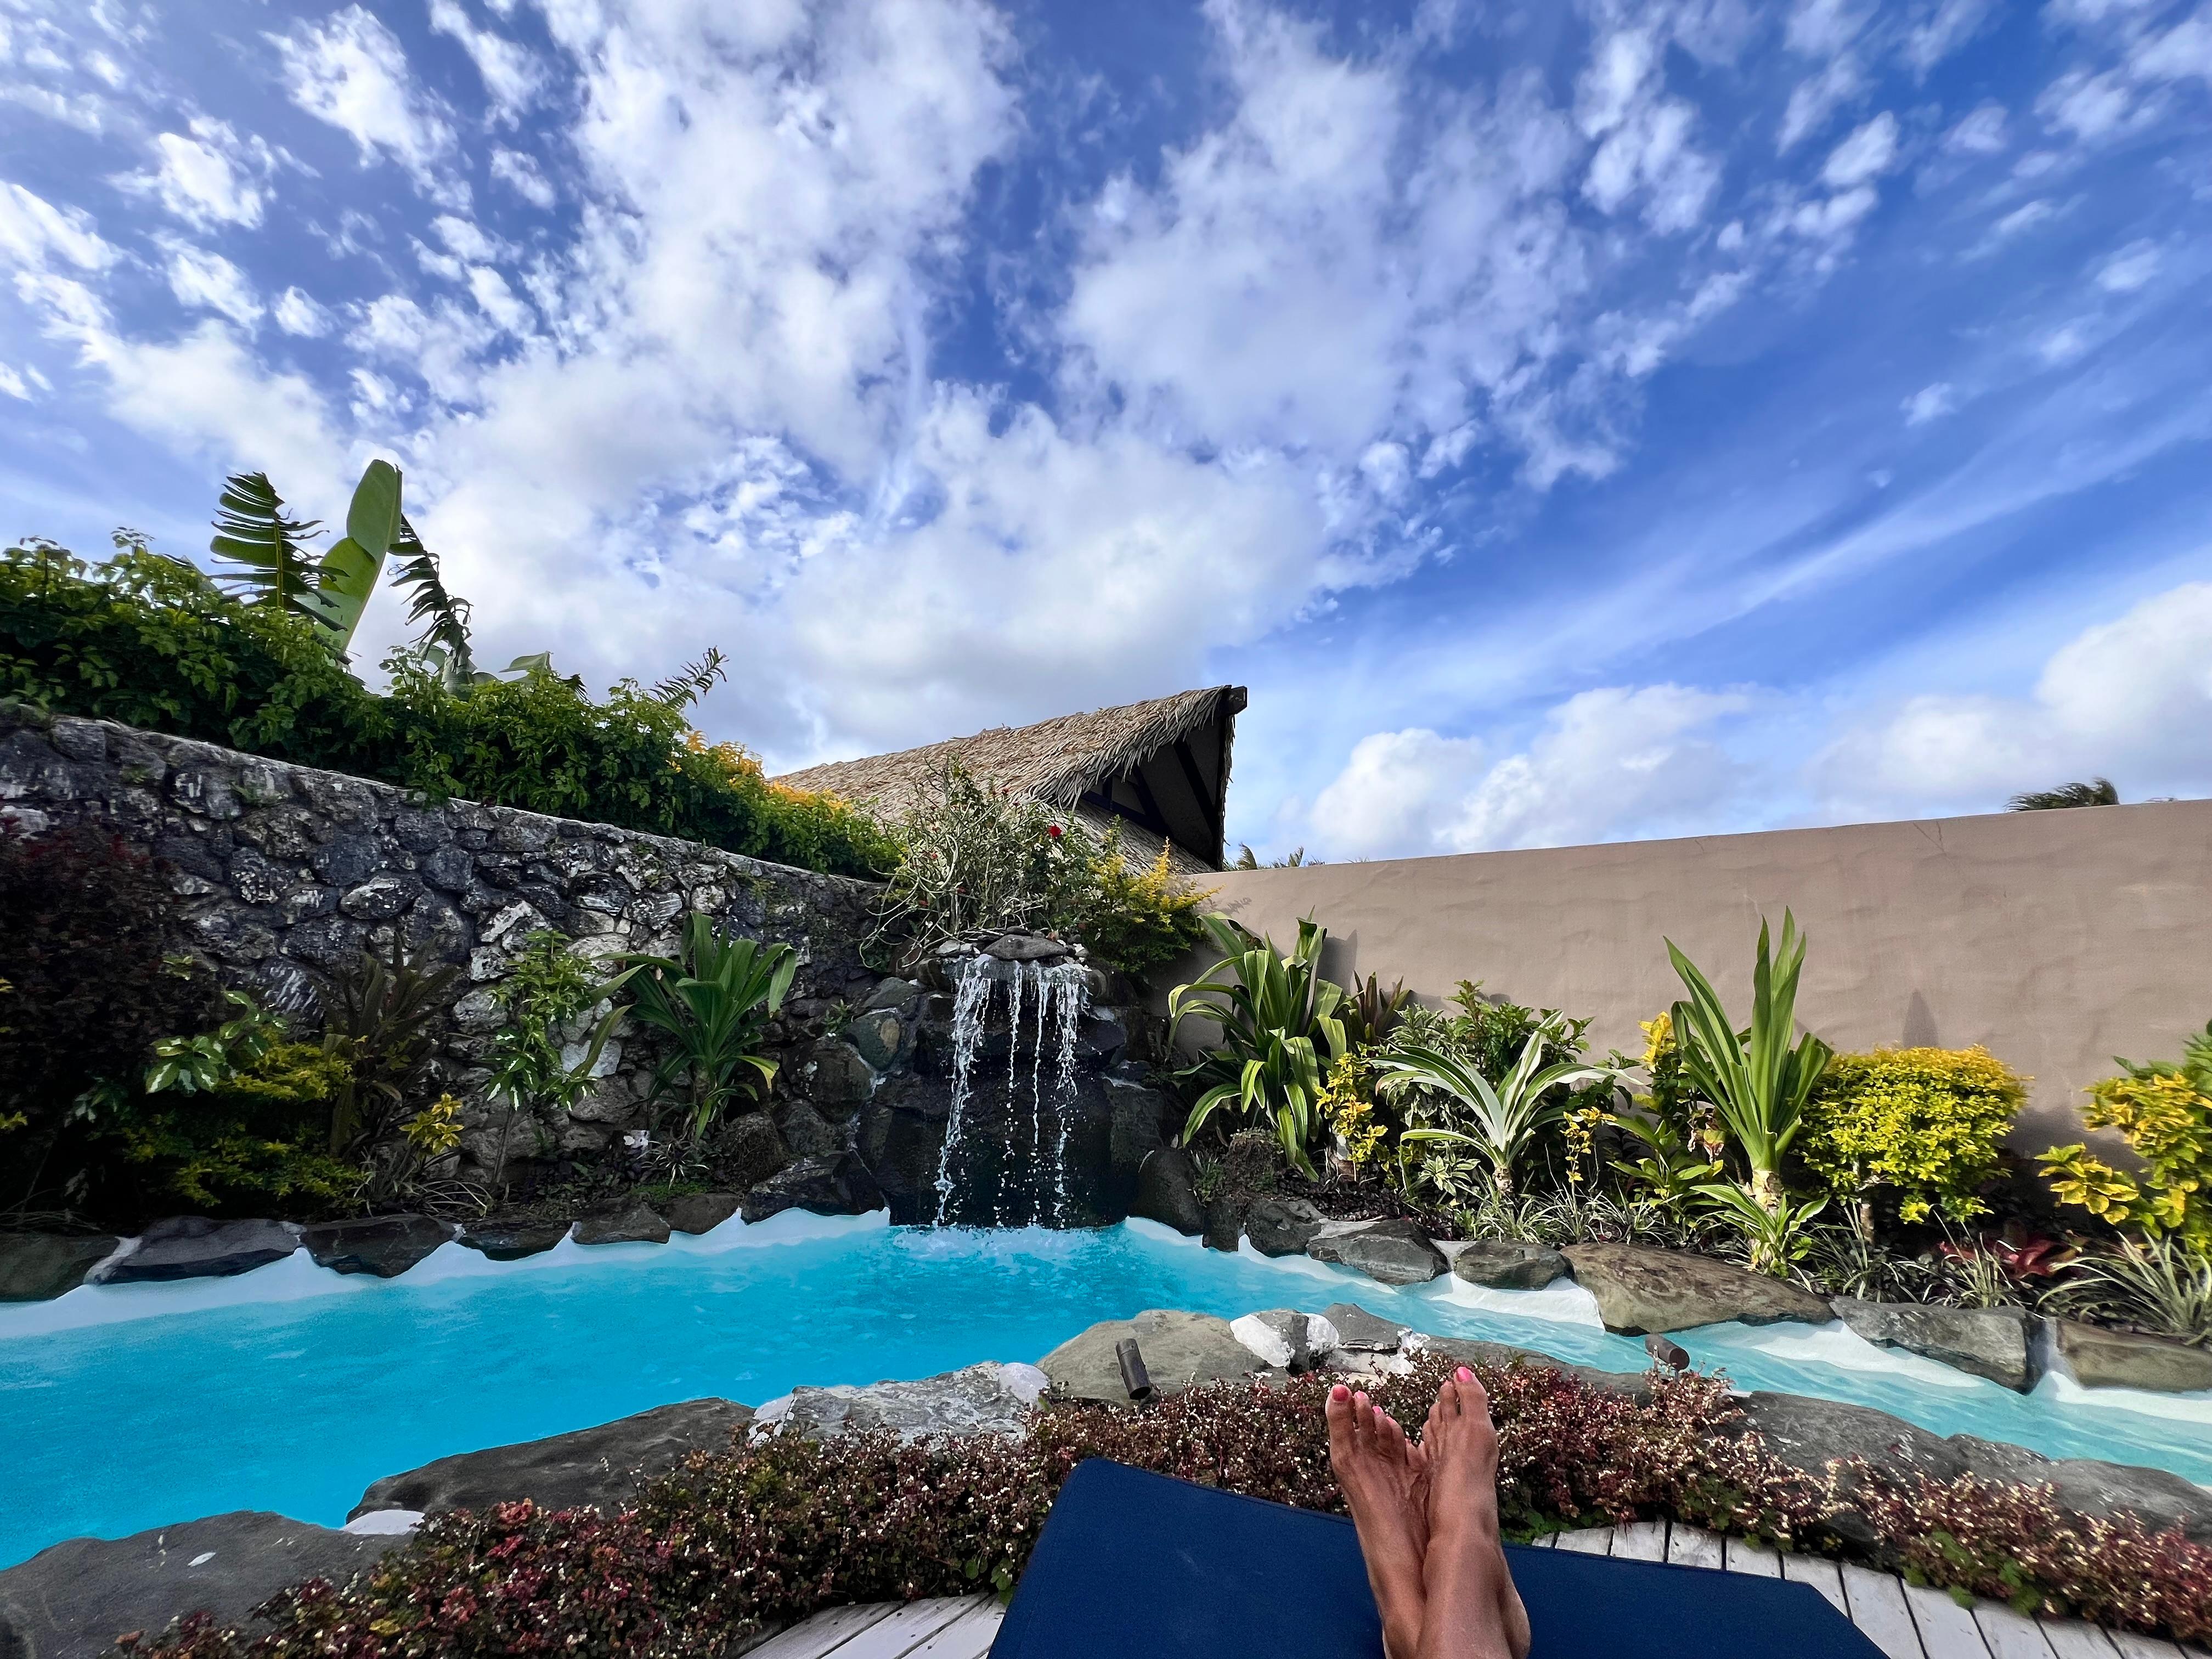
1072,763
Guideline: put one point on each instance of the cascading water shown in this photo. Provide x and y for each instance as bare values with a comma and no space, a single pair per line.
1059,993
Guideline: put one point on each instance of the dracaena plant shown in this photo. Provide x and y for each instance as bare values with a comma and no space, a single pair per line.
714,1000
1497,1121
1281,1030
1757,1079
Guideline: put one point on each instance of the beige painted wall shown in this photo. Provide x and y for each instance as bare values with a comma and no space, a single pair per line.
2054,940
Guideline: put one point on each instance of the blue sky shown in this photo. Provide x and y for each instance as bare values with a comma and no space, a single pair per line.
1573,421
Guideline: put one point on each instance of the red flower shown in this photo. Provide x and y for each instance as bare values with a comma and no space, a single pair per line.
1053,830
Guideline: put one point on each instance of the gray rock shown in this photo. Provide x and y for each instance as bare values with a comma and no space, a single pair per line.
1285,1340
1026,947
836,1079
701,1212
1990,1342
2096,1489
1359,1331
639,1224
194,1247
380,898
1470,1351
1394,1251
510,1241
1282,1226
39,1267
1809,1434
385,1245
892,993
72,1600
829,1183
986,1399
880,1037
1224,1223
752,1149
2123,1359
803,1131
1508,1264
600,1465
1640,1290
1179,1350
1166,1191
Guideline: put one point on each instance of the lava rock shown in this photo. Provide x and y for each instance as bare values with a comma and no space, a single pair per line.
511,1241
837,1079
72,1600
1359,1331
829,1183
39,1267
1394,1251
1508,1264
638,1225
1990,1342
701,1212
752,1149
803,1131
195,1246
1640,1290
2123,1359
1179,1350
1224,1223
2093,1488
1285,1340
1026,947
1282,1226
892,993
600,1465
986,1399
385,1245
1166,1191
880,1038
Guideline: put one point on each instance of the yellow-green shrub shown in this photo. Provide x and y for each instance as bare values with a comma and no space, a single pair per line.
2168,1120
1923,1123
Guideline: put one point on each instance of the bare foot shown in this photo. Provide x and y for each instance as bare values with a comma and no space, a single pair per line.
1473,1611
1382,1476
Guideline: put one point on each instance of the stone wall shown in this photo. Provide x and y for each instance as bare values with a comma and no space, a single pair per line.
288,872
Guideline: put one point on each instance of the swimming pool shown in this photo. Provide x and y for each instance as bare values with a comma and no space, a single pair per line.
291,1388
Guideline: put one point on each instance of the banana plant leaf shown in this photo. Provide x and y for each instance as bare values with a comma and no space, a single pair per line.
349,570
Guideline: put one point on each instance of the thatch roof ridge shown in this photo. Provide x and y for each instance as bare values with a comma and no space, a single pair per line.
1052,760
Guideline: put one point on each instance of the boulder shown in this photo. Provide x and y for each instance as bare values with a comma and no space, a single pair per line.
701,1212
1180,1349
1359,1331
829,1183
385,1245
1394,1251
2096,1489
600,1465
1166,1191
986,1399
639,1224
2100,1358
73,1599
1809,1434
1640,1290
880,1037
892,993
39,1267
1990,1342
1472,1351
836,1079
1507,1264
1282,1226
1285,1340
804,1132
510,1241
194,1247
1026,947
1224,1223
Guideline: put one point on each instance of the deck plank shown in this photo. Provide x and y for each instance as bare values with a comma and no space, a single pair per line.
2010,1635
824,1632
1589,1541
2132,1646
1641,1541
1876,1605
1824,1577
969,1636
1693,1546
2070,1639
906,1629
1753,1559
1947,1631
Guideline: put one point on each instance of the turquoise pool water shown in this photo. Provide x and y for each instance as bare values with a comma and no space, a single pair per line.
291,1388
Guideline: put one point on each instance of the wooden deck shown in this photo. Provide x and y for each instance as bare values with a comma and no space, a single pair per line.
1904,1621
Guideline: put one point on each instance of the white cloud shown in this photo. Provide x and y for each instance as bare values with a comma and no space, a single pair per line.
296,312
1819,97
1644,136
35,234
2062,345
206,281
1930,403
1952,23
510,73
1869,153
13,384
1981,131
351,71
210,177
2131,699
1819,27
521,175
2130,268
1604,763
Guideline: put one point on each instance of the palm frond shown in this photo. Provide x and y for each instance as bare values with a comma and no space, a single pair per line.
442,616
263,548
2098,792
691,681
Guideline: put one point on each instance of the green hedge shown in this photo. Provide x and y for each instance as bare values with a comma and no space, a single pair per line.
150,641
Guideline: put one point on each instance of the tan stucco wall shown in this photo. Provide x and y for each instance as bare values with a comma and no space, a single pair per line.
2054,940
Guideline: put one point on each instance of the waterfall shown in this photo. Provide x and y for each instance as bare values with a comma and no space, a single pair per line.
1059,993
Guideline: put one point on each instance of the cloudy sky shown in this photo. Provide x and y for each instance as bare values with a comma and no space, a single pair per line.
1573,421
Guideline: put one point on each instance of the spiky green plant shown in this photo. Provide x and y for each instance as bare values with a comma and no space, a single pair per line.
1499,1120
714,1000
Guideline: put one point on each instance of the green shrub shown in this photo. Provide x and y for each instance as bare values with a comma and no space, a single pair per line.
150,642
2164,1110
1923,1126
1136,921
256,1137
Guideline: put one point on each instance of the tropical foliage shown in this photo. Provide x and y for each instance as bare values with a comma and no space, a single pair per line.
1497,1121
2163,1110
713,1001
547,996
1922,1128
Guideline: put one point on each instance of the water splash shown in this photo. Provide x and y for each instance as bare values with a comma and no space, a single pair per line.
1071,991
1059,994
970,1004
